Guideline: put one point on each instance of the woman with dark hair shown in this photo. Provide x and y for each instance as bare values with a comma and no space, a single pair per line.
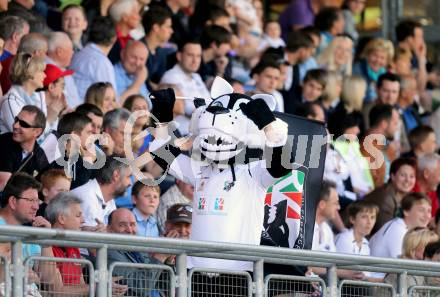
388,197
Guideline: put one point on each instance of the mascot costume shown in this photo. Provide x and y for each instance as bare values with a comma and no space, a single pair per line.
229,190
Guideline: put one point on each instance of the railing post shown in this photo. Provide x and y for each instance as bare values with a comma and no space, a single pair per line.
18,269
182,289
402,284
332,279
259,278
101,263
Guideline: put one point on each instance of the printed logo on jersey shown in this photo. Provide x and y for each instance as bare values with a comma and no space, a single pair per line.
219,204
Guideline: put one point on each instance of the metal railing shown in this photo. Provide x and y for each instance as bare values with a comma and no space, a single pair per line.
105,280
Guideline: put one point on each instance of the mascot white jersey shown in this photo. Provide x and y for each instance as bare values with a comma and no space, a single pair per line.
228,203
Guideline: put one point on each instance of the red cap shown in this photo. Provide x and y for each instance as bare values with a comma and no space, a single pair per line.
53,73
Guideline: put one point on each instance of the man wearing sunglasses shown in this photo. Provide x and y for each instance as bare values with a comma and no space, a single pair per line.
19,150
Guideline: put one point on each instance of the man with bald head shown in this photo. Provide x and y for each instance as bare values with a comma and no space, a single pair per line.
131,72
60,53
140,282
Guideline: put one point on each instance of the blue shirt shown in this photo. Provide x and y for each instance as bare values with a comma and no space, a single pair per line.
28,249
125,201
5,55
91,65
305,66
146,227
125,80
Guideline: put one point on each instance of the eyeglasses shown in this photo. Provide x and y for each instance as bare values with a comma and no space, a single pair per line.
23,124
30,200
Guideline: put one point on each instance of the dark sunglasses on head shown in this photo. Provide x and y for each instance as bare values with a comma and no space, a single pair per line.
23,124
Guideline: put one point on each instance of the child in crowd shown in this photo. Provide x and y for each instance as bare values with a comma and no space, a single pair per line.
313,85
271,36
53,181
146,201
422,140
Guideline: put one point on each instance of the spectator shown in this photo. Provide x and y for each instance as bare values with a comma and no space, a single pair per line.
74,23
135,103
53,182
375,57
428,178
351,8
97,195
23,9
158,29
27,75
79,128
184,75
330,21
146,200
338,55
387,242
311,110
19,205
19,149
266,75
313,85
389,196
310,63
384,121
103,95
60,53
94,113
271,36
114,125
179,193
140,282
299,47
12,29
432,253
125,15
54,85
216,44
178,223
91,64
413,248
331,95
299,14
32,43
131,72
410,115
422,140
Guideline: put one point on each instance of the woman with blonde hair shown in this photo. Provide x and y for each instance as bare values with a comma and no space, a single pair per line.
27,75
331,96
413,247
338,56
102,95
375,58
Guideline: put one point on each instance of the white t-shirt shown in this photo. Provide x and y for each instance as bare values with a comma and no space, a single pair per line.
323,238
191,86
222,211
345,243
387,242
93,204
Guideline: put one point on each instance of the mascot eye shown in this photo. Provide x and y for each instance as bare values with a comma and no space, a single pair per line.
217,103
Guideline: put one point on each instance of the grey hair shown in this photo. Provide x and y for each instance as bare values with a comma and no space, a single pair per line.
11,24
427,161
56,40
60,205
113,118
32,43
104,175
119,8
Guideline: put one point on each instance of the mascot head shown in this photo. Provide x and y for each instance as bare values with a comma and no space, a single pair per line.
221,129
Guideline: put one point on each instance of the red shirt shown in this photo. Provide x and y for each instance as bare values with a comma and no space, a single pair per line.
4,75
71,273
432,195
123,40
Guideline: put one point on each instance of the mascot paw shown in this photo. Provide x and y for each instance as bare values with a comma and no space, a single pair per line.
276,133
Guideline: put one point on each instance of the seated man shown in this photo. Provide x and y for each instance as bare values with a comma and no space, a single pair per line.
179,219
140,282
19,149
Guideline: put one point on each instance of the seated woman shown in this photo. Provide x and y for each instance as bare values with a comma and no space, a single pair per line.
102,95
338,55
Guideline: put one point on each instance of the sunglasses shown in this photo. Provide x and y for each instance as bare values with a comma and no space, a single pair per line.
24,124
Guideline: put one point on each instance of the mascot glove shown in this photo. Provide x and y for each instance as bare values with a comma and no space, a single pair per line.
163,104
258,112
276,133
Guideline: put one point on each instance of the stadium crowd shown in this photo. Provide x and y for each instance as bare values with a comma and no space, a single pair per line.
82,68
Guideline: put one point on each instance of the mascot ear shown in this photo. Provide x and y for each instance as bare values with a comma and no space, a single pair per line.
220,87
199,102
269,99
